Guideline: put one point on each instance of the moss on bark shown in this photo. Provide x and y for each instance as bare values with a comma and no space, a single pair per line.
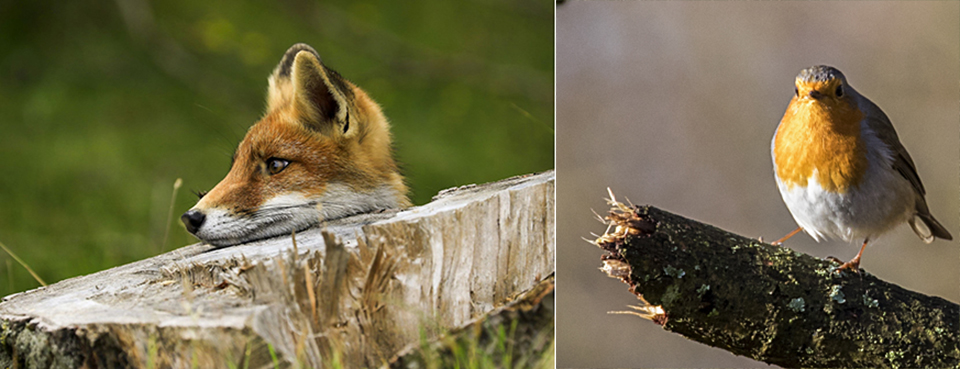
771,303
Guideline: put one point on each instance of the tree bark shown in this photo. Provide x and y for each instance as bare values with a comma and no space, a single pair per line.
349,294
771,303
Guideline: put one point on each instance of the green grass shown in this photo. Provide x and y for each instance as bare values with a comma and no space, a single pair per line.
487,347
103,108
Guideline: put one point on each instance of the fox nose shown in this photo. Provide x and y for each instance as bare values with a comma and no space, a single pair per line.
193,219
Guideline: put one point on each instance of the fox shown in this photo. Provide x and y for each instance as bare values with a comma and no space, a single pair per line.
321,151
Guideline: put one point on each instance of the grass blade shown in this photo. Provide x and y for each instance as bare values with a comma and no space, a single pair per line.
173,200
25,266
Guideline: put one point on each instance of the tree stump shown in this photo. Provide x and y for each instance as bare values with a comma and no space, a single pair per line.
352,292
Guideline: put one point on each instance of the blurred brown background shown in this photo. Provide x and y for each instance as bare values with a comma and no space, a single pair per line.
674,105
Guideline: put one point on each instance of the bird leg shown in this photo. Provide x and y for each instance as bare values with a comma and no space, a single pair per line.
854,264
791,234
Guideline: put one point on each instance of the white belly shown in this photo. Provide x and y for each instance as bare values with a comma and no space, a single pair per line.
863,212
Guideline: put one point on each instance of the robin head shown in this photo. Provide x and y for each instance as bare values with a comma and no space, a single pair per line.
820,132
824,91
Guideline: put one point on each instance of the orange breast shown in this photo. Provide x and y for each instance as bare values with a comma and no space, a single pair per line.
813,136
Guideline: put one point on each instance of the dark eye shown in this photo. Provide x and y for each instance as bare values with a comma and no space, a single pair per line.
796,91
275,165
839,90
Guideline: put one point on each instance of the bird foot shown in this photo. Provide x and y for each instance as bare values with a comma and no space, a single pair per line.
852,265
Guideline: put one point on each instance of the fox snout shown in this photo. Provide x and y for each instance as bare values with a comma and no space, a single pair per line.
193,219
322,151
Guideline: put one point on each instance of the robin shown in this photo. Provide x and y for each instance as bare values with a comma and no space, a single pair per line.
841,168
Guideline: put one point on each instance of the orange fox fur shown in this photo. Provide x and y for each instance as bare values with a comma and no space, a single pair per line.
322,151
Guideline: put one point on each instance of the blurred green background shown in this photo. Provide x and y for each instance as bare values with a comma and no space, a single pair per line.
103,105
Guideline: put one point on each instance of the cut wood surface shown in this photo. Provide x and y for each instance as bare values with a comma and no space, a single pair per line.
354,291
771,303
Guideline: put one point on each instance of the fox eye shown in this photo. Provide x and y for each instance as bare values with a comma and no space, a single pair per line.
796,91
275,165
839,91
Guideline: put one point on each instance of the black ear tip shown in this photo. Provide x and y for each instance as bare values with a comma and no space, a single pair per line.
286,64
297,48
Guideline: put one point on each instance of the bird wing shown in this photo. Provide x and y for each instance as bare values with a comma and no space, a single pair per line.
902,163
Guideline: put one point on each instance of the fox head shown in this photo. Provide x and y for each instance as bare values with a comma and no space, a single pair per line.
322,151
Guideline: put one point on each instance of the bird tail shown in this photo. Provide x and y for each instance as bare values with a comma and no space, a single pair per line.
928,228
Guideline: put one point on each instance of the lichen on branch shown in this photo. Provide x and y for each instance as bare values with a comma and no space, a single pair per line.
771,303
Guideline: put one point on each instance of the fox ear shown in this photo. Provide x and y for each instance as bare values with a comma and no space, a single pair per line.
319,95
280,83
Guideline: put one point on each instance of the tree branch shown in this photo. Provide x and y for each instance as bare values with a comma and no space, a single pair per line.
771,303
